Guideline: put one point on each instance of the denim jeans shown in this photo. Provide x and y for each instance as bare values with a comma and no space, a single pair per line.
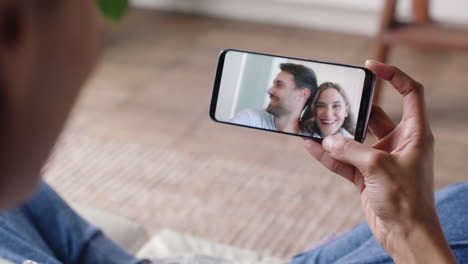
360,246
46,230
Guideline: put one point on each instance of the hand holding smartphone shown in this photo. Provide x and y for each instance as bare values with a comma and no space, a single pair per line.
292,96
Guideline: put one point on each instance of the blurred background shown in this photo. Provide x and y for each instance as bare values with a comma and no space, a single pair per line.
140,143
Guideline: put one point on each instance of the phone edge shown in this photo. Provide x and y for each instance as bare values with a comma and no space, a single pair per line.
217,83
365,112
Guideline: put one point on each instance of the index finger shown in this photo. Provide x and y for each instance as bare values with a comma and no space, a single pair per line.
414,105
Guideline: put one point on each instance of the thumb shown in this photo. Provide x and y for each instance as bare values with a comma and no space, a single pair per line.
352,152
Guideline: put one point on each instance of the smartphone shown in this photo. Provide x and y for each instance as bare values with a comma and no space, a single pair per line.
300,97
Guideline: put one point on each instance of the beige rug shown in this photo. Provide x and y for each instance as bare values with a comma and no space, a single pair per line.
268,209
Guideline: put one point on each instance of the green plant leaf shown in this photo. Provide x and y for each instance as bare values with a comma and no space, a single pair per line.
114,10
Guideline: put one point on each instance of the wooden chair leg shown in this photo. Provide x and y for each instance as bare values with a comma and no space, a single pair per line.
380,49
421,11
379,53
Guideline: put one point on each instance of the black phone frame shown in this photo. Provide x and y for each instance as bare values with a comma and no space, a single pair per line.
364,108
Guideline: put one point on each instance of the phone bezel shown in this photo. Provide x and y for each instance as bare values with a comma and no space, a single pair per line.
364,108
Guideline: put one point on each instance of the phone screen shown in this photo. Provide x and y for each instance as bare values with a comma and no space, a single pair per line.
293,96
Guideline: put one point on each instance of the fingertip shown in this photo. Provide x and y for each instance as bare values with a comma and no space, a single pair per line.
326,141
329,141
380,69
369,63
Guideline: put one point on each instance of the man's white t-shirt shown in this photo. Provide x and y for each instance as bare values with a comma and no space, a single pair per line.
260,118
255,118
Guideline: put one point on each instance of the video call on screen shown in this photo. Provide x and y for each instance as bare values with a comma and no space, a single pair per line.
288,95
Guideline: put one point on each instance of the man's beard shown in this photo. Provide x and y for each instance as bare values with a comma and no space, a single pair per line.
276,110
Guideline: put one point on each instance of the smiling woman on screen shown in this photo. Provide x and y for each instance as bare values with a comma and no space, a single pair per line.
329,113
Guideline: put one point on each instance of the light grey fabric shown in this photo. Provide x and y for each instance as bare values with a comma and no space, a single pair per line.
127,234
255,118
169,246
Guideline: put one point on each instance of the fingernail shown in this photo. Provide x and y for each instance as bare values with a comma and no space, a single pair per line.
327,143
368,62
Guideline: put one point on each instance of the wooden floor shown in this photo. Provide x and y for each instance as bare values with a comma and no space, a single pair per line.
140,143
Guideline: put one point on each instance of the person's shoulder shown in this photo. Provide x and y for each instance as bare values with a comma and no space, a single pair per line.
252,111
264,113
246,116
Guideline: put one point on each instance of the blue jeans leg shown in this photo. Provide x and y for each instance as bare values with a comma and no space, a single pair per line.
359,245
45,229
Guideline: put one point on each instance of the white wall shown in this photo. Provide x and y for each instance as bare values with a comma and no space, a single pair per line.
232,76
352,16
